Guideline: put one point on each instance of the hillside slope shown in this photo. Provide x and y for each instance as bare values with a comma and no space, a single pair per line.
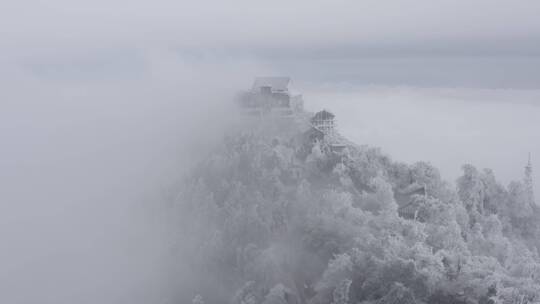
276,215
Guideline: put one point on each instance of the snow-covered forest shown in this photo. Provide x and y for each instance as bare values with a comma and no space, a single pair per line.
274,215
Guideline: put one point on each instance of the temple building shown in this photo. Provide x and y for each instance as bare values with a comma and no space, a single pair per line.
271,96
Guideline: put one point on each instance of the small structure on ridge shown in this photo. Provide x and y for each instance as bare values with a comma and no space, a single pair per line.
271,96
324,125
324,122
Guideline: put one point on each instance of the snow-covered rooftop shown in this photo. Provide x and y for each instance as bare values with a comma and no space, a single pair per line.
276,83
323,115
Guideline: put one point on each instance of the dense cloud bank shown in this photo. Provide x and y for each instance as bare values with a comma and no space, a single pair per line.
85,167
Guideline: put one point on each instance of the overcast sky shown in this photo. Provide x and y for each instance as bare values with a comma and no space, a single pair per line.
381,42
31,27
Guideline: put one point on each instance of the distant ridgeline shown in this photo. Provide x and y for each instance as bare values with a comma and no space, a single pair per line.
287,211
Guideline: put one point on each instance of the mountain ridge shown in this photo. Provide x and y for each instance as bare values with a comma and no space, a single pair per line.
278,207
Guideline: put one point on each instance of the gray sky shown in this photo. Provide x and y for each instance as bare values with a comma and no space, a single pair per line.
479,43
339,27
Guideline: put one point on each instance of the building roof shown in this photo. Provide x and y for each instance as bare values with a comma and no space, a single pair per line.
323,115
276,83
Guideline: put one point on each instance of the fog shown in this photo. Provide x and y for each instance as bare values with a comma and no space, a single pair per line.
87,169
88,163
105,105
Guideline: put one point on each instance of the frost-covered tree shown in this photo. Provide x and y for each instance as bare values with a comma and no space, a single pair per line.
269,218
528,183
471,191
341,292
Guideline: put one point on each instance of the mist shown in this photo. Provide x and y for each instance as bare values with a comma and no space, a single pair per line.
88,166
92,156
105,107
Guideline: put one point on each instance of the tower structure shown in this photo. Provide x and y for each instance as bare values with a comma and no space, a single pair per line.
324,122
528,182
